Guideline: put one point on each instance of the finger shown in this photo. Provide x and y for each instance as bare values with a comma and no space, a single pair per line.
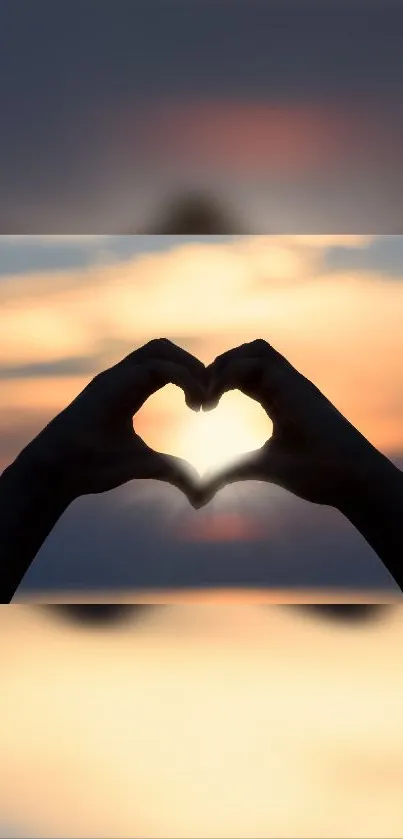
264,464
253,349
166,350
256,380
129,386
156,374
249,378
175,471
242,374
250,468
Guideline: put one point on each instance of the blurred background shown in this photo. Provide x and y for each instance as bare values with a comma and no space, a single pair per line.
286,112
201,721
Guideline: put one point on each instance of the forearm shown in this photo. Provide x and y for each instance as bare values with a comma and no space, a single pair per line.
373,503
31,502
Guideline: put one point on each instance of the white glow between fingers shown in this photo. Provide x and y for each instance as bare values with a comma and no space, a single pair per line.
215,439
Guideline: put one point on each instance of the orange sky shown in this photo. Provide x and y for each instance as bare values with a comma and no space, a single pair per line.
341,329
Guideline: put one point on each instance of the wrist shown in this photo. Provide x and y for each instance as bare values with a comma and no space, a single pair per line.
41,475
371,479
33,496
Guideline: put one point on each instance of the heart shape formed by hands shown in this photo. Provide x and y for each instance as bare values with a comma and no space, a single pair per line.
92,445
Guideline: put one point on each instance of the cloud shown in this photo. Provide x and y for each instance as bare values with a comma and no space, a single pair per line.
32,254
76,313
382,257
59,257
62,367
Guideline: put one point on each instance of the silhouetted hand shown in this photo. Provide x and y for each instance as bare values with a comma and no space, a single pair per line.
91,446
314,452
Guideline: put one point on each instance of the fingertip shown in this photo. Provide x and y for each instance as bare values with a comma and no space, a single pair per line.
214,392
195,397
194,404
210,403
197,502
199,498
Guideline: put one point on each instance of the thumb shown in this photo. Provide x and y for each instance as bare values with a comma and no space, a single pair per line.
175,471
250,467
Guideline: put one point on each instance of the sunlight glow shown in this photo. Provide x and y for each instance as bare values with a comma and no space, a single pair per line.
215,439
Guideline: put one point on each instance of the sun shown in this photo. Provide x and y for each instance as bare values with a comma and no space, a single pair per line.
215,439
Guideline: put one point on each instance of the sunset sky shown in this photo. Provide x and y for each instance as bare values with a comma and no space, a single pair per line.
290,111
71,306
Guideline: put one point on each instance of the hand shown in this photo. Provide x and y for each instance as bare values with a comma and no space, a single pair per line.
314,451
91,446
